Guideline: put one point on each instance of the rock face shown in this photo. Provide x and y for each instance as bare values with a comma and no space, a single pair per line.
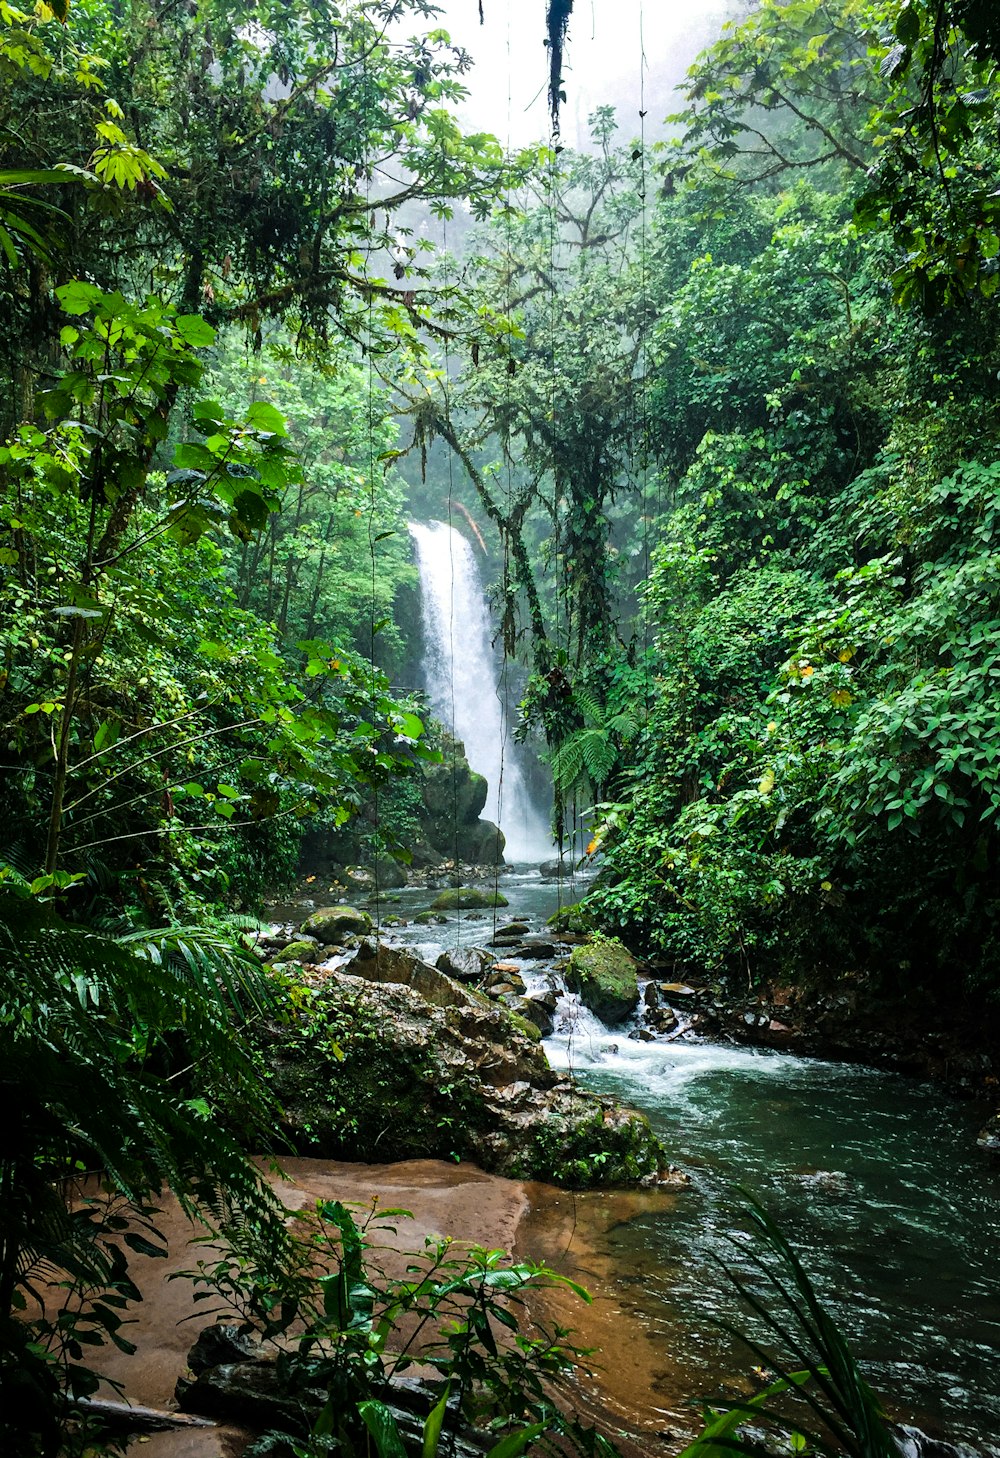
467,898
604,974
333,923
376,962
453,798
373,1072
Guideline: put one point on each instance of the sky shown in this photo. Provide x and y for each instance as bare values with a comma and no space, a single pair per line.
603,62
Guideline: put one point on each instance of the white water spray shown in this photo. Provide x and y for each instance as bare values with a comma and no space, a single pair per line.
461,678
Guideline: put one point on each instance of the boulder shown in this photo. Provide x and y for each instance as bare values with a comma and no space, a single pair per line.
555,870
221,1344
385,875
534,1011
989,1136
466,964
515,929
503,981
467,898
377,962
334,923
297,951
375,1073
604,974
480,844
574,918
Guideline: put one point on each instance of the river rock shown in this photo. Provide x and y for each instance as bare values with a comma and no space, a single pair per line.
534,1011
334,923
604,974
466,964
375,1073
467,898
513,929
301,950
989,1135
221,1344
249,1393
507,980
574,918
555,870
377,962
915,1443
385,875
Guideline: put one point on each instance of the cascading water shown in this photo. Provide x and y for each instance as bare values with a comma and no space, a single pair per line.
461,677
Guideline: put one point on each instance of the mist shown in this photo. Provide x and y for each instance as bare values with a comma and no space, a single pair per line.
631,54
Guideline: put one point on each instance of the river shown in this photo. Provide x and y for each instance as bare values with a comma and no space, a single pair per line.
876,1178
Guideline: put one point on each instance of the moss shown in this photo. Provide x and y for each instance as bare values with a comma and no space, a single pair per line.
331,923
604,974
524,1027
467,898
301,951
575,918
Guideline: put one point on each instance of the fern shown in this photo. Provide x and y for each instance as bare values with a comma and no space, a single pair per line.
120,1056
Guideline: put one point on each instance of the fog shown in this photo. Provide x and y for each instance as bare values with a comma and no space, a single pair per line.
617,51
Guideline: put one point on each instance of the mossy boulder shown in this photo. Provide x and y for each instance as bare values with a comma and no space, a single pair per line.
334,923
604,974
467,898
576,919
375,1073
297,951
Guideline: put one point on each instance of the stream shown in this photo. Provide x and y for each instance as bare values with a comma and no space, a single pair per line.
876,1178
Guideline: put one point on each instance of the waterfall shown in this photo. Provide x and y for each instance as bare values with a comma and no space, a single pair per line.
461,677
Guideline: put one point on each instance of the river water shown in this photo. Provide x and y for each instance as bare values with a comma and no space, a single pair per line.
876,1179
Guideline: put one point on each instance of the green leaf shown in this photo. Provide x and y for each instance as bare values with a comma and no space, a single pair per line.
433,1424
380,1422
78,297
194,331
514,1444
266,418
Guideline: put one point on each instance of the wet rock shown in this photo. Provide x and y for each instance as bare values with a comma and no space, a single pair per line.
302,950
505,980
376,1073
334,923
662,1019
482,844
536,948
386,875
651,995
534,1011
571,919
466,964
513,929
914,1443
467,898
555,870
377,962
222,1344
604,974
249,1393
989,1135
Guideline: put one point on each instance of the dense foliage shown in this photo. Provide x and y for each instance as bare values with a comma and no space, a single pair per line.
726,407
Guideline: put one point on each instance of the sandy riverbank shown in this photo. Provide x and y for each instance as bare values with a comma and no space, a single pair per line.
625,1393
